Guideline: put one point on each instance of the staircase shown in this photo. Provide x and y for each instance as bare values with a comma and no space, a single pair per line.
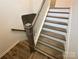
48,34
53,35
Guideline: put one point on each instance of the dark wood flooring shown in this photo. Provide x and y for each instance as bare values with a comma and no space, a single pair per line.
23,51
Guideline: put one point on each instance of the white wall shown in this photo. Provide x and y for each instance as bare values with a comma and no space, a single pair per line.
36,4
73,45
74,37
10,17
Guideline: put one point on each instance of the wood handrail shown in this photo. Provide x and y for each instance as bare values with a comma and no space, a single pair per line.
18,30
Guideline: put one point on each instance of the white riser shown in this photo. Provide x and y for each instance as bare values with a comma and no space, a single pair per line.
56,25
53,38
58,14
57,19
59,10
54,31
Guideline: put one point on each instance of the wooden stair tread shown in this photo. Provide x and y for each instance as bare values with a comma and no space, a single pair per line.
53,38
53,35
54,28
58,12
60,8
56,22
52,42
58,17
52,52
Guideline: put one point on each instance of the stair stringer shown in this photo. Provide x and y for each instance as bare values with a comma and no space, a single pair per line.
68,36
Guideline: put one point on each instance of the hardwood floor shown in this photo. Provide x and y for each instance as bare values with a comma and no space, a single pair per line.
37,55
20,51
23,51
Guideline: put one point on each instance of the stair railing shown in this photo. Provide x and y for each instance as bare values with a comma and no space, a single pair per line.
30,27
30,22
33,25
39,20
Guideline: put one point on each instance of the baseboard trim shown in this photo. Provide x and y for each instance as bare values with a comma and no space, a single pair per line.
9,49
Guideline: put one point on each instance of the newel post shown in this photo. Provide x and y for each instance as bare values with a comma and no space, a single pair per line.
29,32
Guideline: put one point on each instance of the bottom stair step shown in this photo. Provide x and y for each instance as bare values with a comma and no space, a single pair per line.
52,53
51,42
